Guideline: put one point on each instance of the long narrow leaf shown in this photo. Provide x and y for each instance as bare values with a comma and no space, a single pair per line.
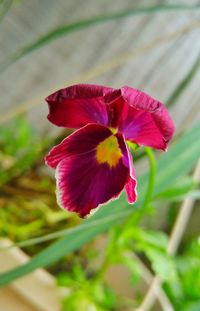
184,82
178,161
4,8
75,26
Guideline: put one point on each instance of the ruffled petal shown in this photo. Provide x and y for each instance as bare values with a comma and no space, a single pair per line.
114,104
145,120
82,181
78,105
140,118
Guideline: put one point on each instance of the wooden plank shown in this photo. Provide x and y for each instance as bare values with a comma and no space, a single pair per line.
37,289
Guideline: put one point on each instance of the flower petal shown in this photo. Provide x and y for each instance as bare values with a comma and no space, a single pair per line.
114,104
82,141
145,120
82,182
78,105
139,117
131,186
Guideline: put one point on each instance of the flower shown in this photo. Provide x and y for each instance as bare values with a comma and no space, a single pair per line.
94,163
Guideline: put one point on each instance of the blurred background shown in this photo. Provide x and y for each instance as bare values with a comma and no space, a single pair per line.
46,45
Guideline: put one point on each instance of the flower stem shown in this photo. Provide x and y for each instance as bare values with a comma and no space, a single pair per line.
138,214
152,174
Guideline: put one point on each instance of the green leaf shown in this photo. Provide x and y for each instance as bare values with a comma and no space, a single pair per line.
5,5
195,195
184,83
183,187
189,273
81,24
155,239
193,306
162,264
180,159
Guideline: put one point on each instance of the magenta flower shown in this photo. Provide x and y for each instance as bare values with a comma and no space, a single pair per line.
94,164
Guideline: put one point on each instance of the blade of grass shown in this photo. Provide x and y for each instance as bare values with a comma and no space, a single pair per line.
85,225
81,24
152,175
186,150
184,83
4,8
180,88
99,70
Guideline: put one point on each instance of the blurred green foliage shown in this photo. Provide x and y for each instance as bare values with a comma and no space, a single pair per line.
28,209
27,204
85,292
20,149
184,292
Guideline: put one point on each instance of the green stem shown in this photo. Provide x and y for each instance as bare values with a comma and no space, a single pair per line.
137,215
152,174
102,270
147,200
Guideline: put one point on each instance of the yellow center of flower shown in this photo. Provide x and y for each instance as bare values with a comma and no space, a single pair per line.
108,151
